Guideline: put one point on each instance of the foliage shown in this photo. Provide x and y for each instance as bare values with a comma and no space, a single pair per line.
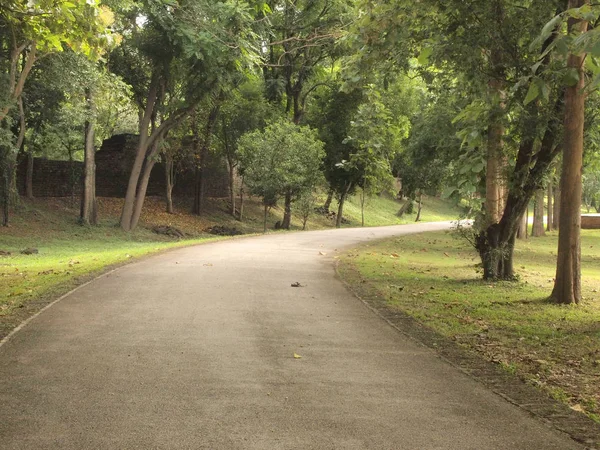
283,158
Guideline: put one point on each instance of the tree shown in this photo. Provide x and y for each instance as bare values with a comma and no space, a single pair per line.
29,30
282,161
173,61
567,284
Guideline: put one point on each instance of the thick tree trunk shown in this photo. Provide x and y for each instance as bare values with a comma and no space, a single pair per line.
141,196
287,213
523,225
550,208
8,166
170,182
538,214
88,215
362,207
567,285
328,201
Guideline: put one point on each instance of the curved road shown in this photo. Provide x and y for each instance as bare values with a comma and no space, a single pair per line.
194,349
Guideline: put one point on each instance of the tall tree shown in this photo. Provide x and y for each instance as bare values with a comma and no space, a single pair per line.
567,285
29,30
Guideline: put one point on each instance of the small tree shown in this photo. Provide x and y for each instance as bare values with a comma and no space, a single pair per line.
281,161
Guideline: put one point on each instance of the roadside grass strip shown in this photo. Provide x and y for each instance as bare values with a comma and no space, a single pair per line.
435,278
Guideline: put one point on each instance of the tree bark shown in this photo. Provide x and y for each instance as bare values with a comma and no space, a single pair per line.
328,201
495,244
201,171
242,200
523,225
338,219
567,285
88,214
142,148
550,209
265,218
420,206
287,214
538,214
556,208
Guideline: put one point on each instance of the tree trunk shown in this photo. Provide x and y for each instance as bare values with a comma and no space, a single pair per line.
404,207
29,176
523,225
142,148
338,219
170,182
201,171
231,174
88,215
550,206
538,214
8,166
362,207
556,208
420,206
328,201
242,200
495,184
265,219
495,244
567,285
141,196
287,214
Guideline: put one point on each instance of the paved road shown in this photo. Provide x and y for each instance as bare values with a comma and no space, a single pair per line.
194,349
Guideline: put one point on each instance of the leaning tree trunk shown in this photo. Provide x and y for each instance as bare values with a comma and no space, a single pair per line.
287,214
231,175
328,201
142,148
550,206
538,214
420,206
338,219
567,285
88,215
142,188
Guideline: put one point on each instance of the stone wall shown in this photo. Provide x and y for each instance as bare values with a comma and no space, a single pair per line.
113,164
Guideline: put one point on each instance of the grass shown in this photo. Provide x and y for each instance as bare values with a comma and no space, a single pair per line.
70,254
435,279
381,210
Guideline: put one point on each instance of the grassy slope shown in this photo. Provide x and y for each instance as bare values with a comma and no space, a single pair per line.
434,278
69,254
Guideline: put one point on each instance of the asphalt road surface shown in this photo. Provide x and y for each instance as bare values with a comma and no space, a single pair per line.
195,349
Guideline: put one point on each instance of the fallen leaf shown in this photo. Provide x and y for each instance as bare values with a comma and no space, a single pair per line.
297,284
208,265
577,408
322,253
297,356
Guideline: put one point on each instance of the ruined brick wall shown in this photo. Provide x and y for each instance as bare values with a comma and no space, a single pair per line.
113,165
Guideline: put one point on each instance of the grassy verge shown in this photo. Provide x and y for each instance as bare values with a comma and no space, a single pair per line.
434,278
69,254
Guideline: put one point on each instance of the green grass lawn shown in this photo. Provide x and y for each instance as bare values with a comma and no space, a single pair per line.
435,278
